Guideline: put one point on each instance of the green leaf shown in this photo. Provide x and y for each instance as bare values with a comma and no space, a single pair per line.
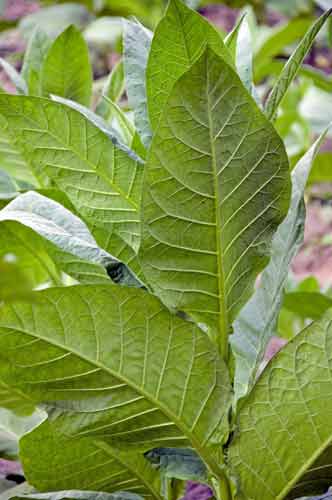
14,77
12,428
123,358
67,70
54,19
282,448
34,57
216,188
307,304
257,322
101,180
321,170
88,463
81,495
137,44
179,40
292,67
180,463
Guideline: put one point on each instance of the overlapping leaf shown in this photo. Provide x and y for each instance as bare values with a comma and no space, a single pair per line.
282,448
216,188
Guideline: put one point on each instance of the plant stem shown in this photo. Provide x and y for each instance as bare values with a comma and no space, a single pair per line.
222,489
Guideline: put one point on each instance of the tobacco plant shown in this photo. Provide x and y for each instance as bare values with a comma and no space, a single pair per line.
138,365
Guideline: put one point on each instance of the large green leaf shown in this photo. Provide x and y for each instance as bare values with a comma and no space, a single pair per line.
257,322
180,38
101,180
137,43
292,67
216,188
54,461
282,447
140,376
8,188
67,70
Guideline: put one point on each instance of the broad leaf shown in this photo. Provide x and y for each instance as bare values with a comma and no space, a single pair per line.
180,38
34,57
292,67
216,188
137,43
116,355
54,461
81,495
67,70
282,447
257,322
101,180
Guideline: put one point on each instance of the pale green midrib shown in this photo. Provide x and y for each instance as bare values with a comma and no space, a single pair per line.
108,449
304,468
205,454
86,160
222,341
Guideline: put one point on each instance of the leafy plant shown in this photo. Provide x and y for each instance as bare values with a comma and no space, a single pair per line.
148,233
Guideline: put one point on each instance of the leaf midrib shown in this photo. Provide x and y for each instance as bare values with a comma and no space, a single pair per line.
222,340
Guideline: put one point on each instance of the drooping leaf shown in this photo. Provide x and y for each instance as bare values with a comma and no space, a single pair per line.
71,245
14,77
93,463
282,448
292,67
180,463
34,57
108,356
66,71
81,495
216,188
101,180
137,44
180,38
257,322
